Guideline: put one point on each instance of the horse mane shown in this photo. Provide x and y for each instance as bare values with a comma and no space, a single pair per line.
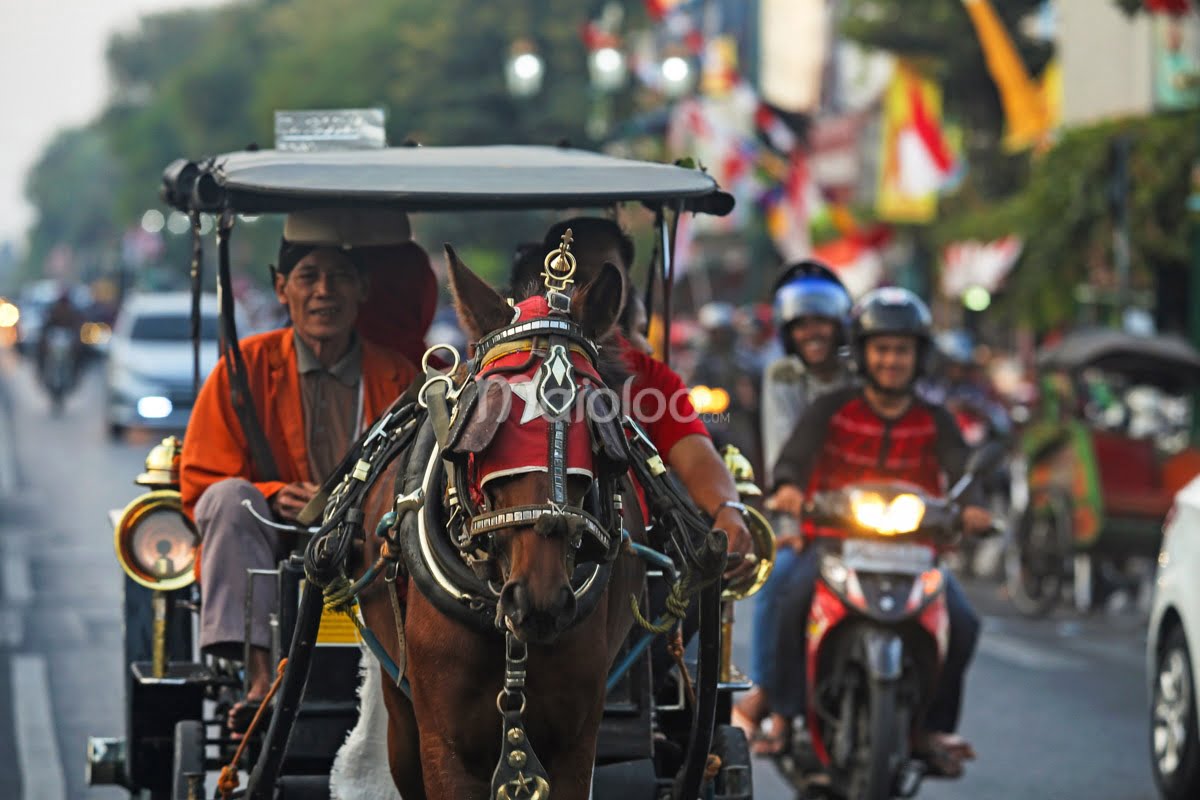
610,365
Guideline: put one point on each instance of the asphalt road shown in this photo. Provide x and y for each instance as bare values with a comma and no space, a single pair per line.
1055,708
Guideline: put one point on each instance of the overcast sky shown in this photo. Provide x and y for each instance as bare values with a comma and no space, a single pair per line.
53,75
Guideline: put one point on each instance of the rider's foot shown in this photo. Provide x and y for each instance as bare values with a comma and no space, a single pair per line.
944,753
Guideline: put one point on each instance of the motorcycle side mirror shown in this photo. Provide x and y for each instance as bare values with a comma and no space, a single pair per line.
986,459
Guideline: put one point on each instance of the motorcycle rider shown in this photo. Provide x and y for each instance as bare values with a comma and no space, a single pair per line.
881,430
726,364
811,310
960,385
61,315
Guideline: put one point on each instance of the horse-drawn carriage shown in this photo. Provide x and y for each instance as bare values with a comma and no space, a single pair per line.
1106,452
404,503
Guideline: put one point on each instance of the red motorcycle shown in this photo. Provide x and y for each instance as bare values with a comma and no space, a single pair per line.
878,630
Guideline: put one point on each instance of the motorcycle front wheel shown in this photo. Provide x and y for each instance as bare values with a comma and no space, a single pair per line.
878,753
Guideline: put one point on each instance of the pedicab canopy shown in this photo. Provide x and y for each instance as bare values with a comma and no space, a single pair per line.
1164,361
492,177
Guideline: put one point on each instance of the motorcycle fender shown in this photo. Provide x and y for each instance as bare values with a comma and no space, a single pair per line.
827,611
884,654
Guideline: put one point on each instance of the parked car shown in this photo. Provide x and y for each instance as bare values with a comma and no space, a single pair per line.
1173,651
150,361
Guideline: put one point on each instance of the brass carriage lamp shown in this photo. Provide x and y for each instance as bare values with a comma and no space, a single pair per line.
156,542
763,539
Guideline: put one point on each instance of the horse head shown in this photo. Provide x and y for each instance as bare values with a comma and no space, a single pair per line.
533,464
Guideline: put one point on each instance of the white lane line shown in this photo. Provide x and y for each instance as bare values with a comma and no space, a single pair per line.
1022,654
12,628
37,748
17,579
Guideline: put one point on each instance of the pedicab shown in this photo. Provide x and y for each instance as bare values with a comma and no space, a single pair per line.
1106,451
657,738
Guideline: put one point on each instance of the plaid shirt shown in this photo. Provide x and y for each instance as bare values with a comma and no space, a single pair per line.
841,440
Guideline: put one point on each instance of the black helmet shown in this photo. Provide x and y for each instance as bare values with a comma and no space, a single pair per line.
891,310
809,289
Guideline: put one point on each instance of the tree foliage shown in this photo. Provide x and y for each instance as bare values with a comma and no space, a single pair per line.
75,175
1064,214
197,83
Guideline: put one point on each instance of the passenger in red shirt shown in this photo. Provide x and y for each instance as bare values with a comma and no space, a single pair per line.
881,430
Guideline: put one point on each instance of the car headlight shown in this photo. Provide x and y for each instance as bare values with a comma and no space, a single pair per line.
155,541
873,512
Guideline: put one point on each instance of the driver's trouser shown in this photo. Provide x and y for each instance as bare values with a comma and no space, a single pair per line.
786,692
233,541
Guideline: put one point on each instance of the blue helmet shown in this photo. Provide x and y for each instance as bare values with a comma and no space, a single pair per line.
955,347
810,289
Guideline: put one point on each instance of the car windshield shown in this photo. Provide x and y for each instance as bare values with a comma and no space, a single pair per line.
171,328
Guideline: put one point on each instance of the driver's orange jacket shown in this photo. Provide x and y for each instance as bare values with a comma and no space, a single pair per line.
214,447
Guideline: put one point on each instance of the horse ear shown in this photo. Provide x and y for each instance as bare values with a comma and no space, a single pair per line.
480,309
597,305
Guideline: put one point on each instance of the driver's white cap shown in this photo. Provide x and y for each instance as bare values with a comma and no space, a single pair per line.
347,227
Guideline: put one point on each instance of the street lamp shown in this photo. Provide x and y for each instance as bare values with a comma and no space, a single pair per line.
524,70
676,75
606,67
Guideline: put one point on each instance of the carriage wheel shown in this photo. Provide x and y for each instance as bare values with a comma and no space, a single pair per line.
189,759
734,780
1036,561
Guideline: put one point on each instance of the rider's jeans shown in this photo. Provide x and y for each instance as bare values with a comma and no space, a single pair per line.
786,691
766,618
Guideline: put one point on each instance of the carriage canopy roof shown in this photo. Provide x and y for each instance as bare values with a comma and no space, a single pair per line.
1166,361
434,178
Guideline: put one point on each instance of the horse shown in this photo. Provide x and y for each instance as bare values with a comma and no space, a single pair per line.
444,740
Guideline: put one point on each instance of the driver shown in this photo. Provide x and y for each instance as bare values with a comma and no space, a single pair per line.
881,430
314,386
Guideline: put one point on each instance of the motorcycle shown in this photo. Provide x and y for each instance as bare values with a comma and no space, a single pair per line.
58,366
878,630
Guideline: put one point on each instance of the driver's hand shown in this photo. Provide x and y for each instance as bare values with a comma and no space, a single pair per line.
976,519
788,499
291,499
741,546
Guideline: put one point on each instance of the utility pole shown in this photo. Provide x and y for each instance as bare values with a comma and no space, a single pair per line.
1118,191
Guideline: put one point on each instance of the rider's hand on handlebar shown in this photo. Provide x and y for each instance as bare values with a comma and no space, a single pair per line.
291,499
976,520
787,499
740,545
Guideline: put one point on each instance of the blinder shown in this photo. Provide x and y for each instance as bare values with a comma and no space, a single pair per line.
549,347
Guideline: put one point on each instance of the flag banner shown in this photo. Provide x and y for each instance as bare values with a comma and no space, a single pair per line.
915,160
971,264
1027,123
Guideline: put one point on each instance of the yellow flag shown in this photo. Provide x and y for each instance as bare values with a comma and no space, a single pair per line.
1024,103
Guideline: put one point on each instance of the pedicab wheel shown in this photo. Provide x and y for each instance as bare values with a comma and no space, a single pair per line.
734,780
189,760
1174,743
1035,560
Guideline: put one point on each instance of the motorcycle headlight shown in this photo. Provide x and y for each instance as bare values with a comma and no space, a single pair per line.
155,541
873,512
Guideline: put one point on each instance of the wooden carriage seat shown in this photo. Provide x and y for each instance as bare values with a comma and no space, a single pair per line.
401,300
1131,477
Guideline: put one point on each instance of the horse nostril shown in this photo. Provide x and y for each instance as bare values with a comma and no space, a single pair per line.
566,606
514,602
